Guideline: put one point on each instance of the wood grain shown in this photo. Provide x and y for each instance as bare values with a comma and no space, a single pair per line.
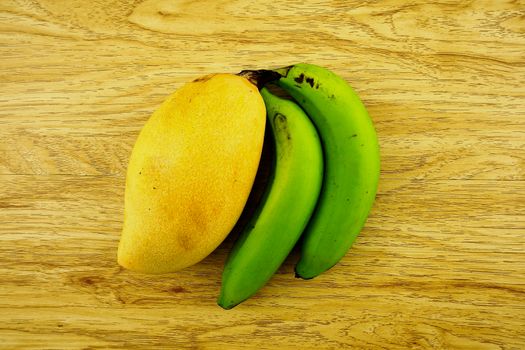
441,262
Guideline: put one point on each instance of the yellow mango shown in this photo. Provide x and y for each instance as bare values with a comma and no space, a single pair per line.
190,173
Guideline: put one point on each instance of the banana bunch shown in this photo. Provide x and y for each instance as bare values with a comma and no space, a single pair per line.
322,186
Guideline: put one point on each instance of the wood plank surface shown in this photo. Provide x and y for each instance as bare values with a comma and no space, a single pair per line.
441,261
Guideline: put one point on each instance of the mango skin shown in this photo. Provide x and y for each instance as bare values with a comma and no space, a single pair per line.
190,173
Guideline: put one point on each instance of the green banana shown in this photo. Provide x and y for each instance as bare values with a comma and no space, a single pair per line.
286,206
352,164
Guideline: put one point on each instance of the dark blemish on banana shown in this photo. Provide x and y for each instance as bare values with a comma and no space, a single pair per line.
310,81
362,145
317,86
279,121
297,85
332,97
354,135
140,172
154,187
300,78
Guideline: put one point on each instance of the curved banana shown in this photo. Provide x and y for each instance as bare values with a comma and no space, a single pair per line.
285,208
351,154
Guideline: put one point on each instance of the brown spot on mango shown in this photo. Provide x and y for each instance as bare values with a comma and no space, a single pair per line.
203,78
176,290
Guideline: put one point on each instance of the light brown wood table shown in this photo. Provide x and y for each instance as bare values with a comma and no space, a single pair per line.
441,262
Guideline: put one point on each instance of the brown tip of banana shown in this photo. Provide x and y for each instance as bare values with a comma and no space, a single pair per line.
297,275
260,77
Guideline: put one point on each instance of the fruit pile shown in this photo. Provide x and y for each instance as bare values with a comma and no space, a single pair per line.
194,164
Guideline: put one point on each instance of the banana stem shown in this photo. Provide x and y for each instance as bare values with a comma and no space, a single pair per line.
260,77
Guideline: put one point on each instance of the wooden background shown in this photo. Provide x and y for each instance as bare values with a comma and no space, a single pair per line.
441,262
